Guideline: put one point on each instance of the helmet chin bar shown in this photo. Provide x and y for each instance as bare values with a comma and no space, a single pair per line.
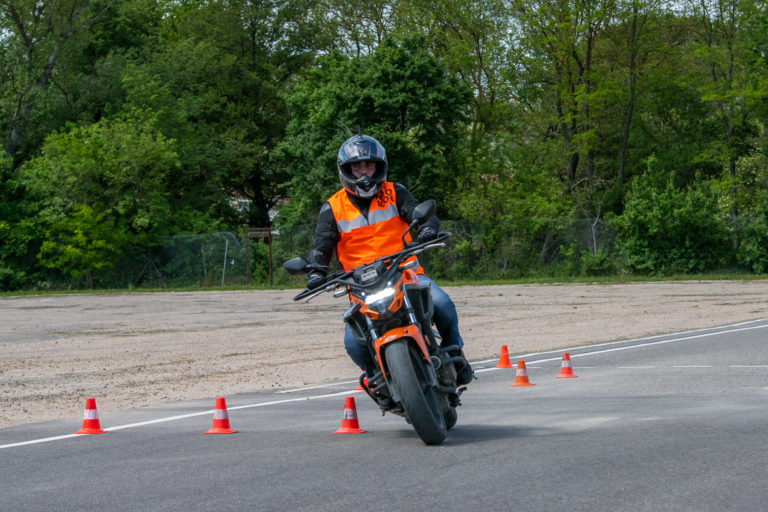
366,193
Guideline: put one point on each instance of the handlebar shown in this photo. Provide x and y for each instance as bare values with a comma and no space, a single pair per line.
341,278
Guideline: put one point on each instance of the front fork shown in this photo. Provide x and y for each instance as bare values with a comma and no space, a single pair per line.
378,386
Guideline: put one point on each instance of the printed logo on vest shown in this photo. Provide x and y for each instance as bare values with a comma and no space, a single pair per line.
384,196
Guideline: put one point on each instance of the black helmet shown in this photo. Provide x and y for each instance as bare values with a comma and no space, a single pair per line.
362,148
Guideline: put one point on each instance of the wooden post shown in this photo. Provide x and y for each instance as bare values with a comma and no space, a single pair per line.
257,233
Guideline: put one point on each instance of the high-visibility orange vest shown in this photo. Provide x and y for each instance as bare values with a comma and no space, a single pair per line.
363,240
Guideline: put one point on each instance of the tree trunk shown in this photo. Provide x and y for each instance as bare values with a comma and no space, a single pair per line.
627,121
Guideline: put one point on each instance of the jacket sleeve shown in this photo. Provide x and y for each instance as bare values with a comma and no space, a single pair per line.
405,205
326,237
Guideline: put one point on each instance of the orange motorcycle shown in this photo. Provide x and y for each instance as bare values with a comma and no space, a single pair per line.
391,314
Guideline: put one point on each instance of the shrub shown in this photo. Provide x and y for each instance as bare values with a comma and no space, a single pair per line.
665,230
752,249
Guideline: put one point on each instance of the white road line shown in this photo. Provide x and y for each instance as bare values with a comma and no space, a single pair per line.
673,340
630,347
608,343
35,441
319,397
320,386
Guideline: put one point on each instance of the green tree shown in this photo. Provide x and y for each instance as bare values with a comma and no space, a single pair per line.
35,34
16,231
361,26
399,94
82,244
636,44
723,50
216,80
105,191
666,229
515,199
474,41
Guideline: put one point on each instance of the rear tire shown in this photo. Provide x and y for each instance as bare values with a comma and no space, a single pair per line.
420,403
451,416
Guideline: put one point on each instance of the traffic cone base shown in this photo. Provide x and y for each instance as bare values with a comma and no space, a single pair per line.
566,370
91,423
360,386
521,377
349,424
504,358
221,419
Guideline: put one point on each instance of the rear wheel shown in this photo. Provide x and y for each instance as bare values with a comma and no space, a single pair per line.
450,418
410,379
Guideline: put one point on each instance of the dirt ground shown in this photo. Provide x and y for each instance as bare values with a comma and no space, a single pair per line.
140,349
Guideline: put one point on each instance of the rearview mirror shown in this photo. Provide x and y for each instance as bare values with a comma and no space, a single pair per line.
296,266
423,212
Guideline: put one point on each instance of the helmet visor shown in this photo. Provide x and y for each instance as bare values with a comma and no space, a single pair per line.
362,149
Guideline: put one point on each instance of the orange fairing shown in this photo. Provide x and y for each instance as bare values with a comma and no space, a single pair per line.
411,276
410,331
397,303
408,276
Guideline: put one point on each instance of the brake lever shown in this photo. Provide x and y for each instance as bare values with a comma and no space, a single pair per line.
320,291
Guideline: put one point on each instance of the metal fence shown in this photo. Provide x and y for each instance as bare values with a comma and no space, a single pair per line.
500,250
212,259
474,252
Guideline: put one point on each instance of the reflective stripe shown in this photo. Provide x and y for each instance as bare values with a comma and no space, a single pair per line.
381,215
91,414
220,414
345,226
349,414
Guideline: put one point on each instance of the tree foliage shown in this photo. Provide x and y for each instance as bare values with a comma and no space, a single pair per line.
126,122
103,190
400,95
666,229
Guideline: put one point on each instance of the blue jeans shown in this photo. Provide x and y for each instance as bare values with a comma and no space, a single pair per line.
445,317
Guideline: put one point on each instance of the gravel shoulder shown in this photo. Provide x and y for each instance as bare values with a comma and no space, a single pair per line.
141,349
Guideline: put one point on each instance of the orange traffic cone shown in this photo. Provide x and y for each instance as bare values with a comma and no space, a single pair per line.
91,419
566,370
349,423
360,387
221,419
521,377
504,358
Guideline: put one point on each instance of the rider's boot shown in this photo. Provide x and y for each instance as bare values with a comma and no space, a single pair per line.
464,373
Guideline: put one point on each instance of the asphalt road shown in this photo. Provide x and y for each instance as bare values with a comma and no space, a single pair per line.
673,422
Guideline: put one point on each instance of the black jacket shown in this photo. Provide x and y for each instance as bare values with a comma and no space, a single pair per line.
327,233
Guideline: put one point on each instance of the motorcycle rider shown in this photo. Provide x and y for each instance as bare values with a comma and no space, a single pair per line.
365,220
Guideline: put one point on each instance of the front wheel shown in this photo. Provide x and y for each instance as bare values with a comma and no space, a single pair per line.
411,381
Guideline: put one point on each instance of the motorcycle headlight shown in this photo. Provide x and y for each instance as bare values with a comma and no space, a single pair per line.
381,300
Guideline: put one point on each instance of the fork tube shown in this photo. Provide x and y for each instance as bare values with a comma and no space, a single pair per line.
409,308
371,330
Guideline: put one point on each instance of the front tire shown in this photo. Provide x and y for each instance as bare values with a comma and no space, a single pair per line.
419,400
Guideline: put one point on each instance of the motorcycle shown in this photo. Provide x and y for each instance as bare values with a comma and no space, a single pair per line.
391,313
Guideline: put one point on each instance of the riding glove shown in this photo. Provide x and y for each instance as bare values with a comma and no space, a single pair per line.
426,234
315,280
